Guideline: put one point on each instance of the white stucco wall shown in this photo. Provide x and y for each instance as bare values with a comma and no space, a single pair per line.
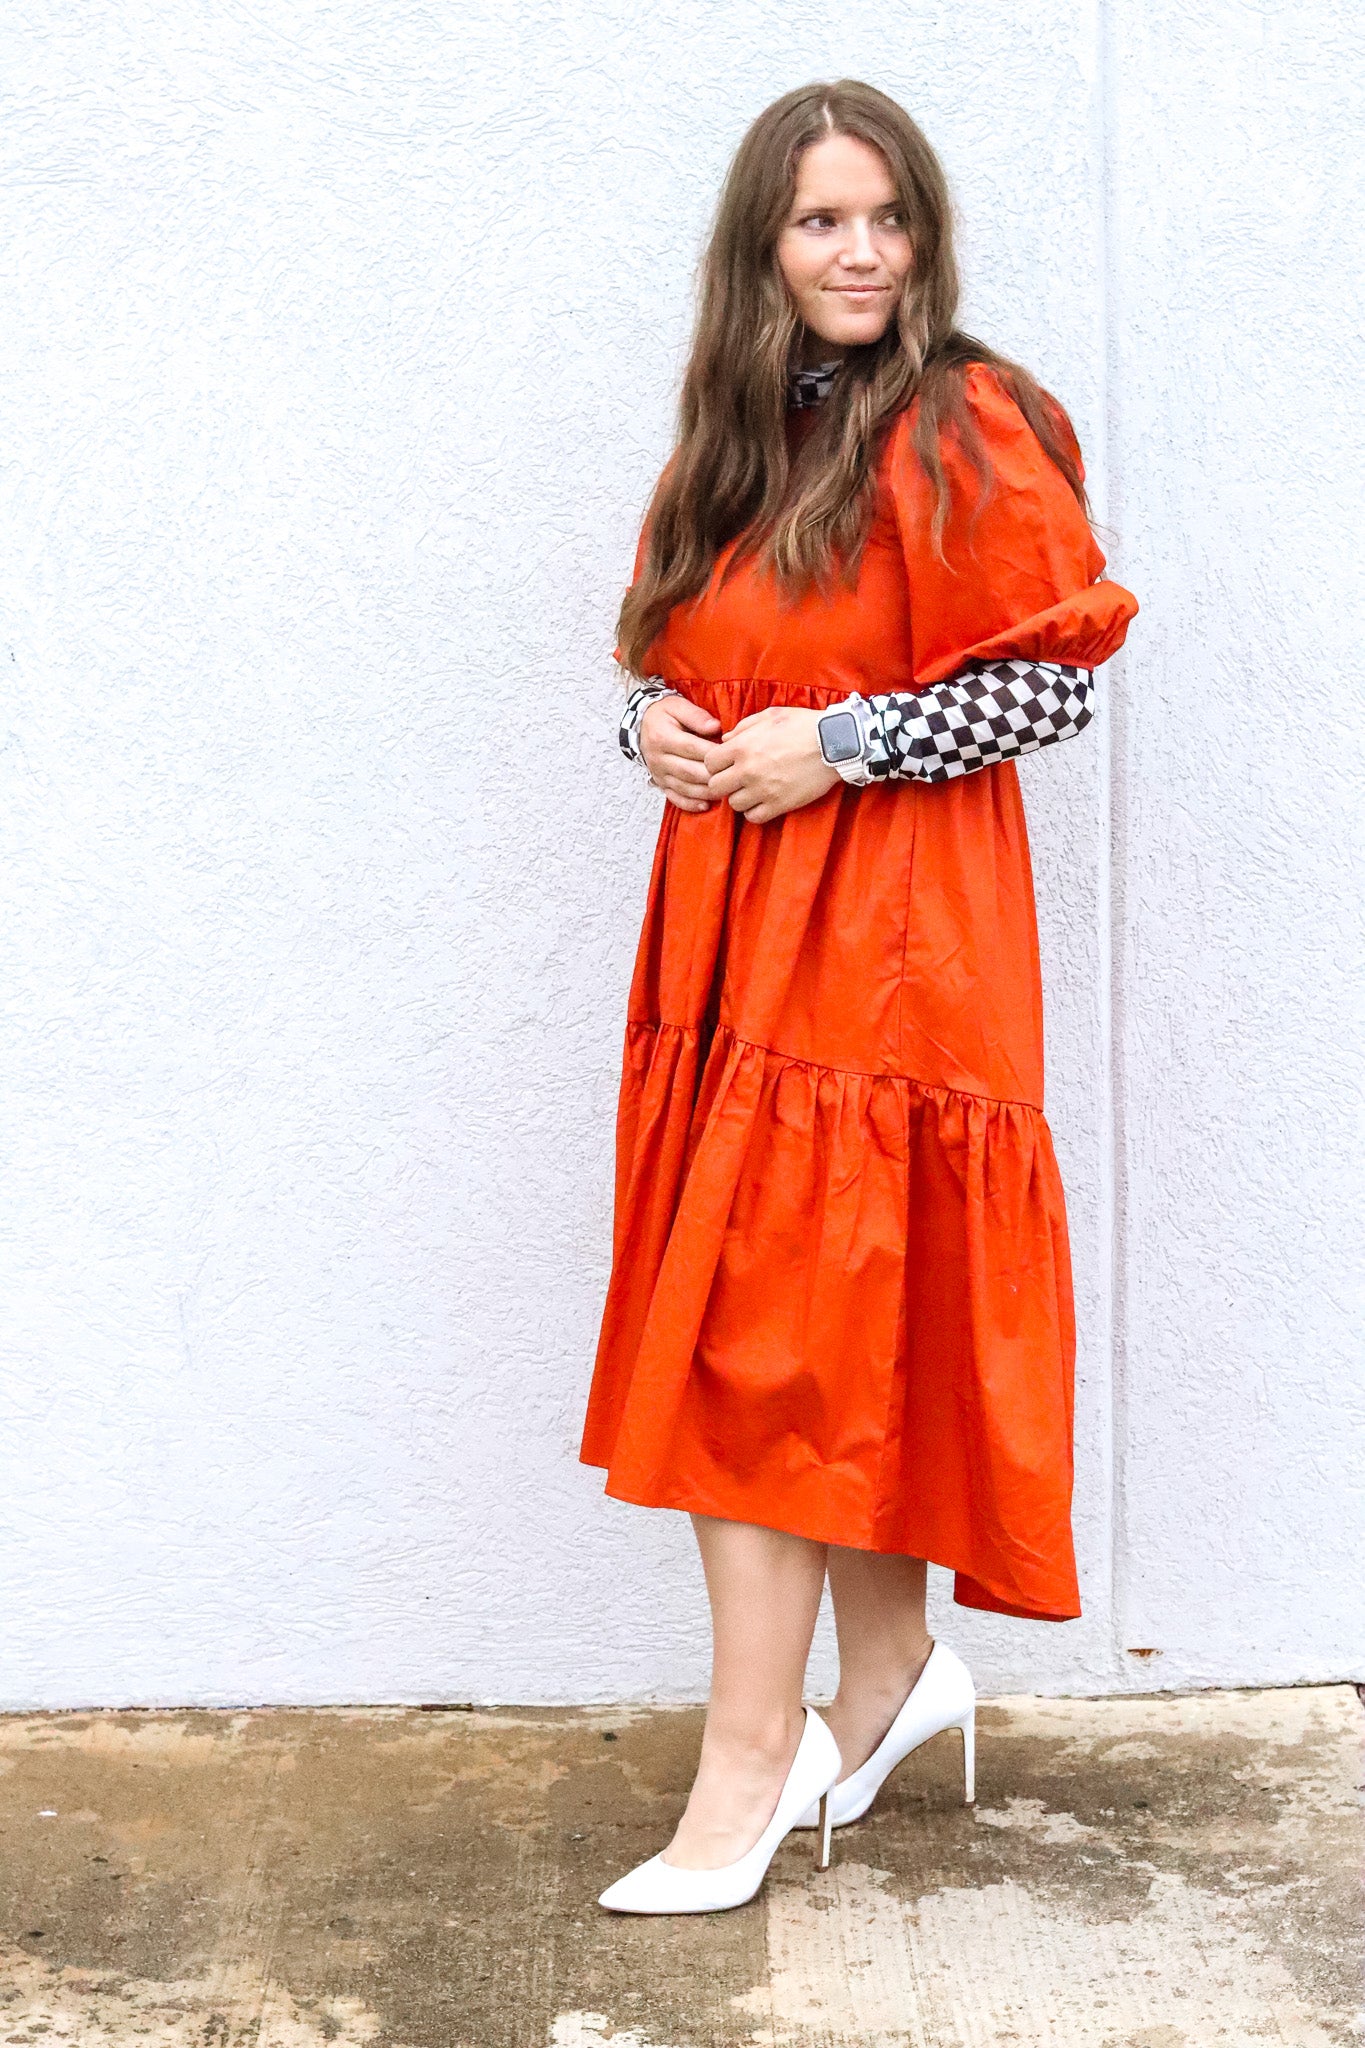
1238,354
338,365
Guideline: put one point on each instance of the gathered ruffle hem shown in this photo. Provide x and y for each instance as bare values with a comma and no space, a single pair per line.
860,1324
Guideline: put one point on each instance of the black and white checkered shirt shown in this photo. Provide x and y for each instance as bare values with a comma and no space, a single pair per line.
989,711
810,387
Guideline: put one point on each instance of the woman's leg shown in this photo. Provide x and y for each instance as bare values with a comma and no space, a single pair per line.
883,1645
764,1588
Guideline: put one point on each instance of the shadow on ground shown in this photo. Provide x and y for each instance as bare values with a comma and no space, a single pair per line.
1137,1873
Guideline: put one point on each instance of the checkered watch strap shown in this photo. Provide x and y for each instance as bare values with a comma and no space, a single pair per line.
637,703
988,712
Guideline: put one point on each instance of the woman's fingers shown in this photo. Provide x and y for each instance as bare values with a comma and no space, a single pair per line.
762,767
732,765
692,716
681,746
750,718
685,793
770,763
676,768
672,748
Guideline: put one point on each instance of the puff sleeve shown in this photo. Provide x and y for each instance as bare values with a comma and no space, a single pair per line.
1020,575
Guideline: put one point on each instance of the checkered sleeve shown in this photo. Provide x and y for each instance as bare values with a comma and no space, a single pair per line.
637,703
988,712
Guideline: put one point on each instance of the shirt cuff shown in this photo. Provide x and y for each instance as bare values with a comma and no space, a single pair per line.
637,703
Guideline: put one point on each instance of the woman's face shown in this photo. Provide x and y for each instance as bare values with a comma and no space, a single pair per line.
844,251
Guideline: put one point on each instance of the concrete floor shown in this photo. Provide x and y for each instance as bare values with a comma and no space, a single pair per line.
1140,1873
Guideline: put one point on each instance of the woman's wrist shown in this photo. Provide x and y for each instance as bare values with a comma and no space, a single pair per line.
843,736
645,693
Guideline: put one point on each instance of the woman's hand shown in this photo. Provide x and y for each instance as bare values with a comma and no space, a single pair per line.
673,740
770,763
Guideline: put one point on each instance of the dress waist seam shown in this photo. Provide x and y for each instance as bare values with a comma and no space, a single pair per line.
783,683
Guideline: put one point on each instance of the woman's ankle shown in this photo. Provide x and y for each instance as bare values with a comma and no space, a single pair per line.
888,1682
753,1745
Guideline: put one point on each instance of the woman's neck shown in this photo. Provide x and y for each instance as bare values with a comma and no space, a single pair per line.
817,353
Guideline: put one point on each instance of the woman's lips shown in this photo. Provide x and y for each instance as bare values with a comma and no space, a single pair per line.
859,291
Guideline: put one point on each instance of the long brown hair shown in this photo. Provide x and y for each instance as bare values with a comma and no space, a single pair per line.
730,472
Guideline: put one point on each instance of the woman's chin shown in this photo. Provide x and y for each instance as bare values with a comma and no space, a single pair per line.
853,330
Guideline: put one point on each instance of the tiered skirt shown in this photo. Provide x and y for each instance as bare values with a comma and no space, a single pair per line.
840,1301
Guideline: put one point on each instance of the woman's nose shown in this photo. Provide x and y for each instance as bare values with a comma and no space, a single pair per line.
858,250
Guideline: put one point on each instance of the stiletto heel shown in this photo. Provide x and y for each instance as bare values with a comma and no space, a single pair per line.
943,1696
659,1887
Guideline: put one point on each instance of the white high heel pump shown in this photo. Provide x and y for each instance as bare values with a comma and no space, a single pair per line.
943,1696
659,1887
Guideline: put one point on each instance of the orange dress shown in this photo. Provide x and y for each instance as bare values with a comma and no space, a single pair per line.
840,1301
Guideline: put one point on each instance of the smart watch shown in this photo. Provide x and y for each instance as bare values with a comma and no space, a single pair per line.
843,732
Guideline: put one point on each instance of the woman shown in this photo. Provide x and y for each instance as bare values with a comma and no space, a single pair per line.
839,1325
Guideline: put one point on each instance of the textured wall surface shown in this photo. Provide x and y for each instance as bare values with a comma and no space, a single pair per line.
1238,360
338,365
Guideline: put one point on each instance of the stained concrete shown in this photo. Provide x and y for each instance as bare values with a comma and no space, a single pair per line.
1137,1873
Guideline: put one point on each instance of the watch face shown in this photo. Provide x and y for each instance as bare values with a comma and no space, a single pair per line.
839,737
